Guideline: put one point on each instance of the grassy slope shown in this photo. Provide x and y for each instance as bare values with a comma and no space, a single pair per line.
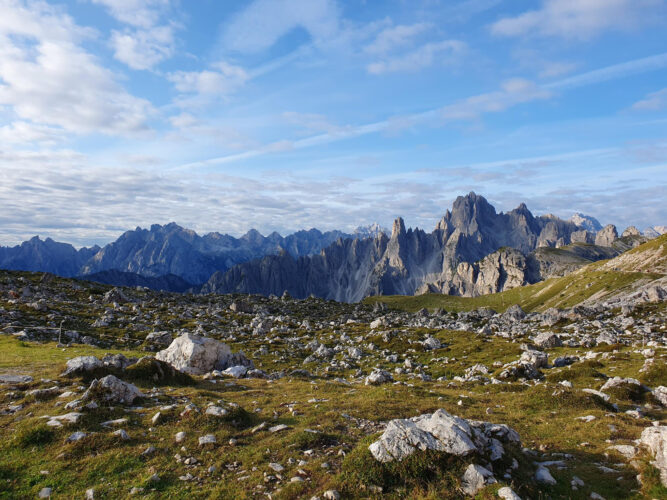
113,466
599,278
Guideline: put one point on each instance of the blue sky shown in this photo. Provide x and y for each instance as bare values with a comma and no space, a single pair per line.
290,114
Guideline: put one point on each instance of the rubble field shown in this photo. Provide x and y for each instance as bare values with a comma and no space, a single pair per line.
126,392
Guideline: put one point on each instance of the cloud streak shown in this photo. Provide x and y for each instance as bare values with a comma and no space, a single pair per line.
580,19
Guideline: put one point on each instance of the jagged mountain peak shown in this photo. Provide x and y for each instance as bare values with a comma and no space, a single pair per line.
586,222
398,228
470,210
370,231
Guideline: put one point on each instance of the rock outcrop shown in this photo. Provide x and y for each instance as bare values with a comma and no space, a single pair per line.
441,431
606,236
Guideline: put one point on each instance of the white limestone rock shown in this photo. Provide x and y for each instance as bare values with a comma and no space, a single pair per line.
378,377
444,432
82,365
111,389
400,439
476,478
547,339
507,493
197,355
655,439
660,393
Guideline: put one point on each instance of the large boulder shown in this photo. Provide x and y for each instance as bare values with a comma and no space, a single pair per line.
197,355
443,432
115,295
111,389
514,313
378,377
82,365
537,358
655,439
547,339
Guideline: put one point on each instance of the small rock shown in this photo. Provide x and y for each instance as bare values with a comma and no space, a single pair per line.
207,439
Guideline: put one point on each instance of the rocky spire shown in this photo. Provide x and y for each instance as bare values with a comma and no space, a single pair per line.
606,236
398,229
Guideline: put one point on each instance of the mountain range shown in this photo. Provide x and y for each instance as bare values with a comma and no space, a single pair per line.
473,250
164,250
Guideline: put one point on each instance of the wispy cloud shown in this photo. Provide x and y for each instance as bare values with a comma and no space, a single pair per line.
263,22
612,72
443,52
511,93
395,37
652,102
222,79
580,19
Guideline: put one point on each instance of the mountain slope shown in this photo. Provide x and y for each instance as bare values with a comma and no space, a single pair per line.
45,255
605,281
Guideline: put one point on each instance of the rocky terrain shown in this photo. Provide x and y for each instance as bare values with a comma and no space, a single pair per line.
472,251
555,390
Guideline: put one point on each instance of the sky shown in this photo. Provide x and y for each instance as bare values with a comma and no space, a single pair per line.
226,115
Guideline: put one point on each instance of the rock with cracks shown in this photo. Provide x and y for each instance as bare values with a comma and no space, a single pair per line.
655,440
441,431
197,355
111,389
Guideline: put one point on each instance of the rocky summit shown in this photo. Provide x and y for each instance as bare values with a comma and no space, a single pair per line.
551,390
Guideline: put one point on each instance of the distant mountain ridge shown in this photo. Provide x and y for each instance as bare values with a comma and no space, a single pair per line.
473,250
160,251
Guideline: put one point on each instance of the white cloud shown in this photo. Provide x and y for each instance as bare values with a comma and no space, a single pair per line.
138,13
263,22
21,132
427,55
580,19
184,120
512,92
143,49
69,197
652,102
148,42
312,122
47,77
553,69
395,37
222,80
